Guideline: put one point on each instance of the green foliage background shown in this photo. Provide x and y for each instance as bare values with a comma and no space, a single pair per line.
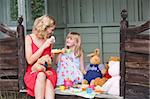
37,8
13,10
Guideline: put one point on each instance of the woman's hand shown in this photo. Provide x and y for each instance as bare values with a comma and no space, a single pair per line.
49,72
47,43
38,67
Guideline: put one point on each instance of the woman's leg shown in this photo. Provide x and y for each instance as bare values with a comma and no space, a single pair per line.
39,89
49,90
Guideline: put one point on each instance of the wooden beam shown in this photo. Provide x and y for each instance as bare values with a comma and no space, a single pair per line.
138,29
6,30
123,27
21,54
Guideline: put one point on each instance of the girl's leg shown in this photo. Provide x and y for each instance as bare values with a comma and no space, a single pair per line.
49,90
39,89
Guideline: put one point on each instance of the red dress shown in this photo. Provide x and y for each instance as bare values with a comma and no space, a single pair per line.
30,78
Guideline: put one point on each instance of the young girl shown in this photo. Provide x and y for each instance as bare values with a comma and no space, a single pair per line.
70,64
38,44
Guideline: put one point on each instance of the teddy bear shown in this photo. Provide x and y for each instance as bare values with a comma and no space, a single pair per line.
42,64
112,85
107,75
95,69
98,81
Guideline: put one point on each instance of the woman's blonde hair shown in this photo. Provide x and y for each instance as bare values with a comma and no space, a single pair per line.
41,24
78,47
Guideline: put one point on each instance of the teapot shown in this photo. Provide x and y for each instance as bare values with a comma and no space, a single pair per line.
68,83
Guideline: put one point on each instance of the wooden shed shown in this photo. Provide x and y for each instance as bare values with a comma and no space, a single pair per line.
134,54
98,23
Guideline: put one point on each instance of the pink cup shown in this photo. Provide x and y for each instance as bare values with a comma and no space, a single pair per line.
68,83
91,86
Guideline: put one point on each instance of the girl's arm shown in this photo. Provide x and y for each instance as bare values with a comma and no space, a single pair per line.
82,68
57,59
59,55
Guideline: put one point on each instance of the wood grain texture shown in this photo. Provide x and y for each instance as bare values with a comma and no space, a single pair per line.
135,58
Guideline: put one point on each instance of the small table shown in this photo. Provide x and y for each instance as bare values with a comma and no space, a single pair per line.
63,95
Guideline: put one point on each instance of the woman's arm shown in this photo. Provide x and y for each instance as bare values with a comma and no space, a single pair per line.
31,58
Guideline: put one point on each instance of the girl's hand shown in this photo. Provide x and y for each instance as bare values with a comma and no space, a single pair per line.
64,50
83,71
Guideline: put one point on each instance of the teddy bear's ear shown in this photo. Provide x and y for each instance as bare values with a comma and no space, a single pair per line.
114,58
97,51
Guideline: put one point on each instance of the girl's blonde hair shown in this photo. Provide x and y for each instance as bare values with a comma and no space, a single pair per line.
78,47
41,24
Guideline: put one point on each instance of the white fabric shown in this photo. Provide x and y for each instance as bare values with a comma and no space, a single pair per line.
112,86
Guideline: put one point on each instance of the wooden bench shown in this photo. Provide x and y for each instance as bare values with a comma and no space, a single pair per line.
12,58
13,63
135,52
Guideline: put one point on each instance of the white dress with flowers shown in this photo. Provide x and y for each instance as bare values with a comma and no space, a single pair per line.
68,67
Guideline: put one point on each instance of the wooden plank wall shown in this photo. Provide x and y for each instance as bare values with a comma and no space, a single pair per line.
110,42
88,13
103,15
97,11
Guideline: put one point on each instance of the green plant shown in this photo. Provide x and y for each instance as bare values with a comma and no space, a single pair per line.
37,8
13,10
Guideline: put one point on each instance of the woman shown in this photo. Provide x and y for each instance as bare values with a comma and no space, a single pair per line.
38,44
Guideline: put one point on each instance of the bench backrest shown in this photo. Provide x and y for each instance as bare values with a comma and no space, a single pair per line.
12,58
134,53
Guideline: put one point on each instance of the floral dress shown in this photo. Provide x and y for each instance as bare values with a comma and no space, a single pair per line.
68,68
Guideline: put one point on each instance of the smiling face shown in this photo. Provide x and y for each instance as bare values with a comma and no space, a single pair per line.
44,26
70,41
73,39
73,42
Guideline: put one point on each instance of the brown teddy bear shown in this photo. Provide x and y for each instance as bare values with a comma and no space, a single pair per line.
98,81
42,64
101,81
114,58
95,69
